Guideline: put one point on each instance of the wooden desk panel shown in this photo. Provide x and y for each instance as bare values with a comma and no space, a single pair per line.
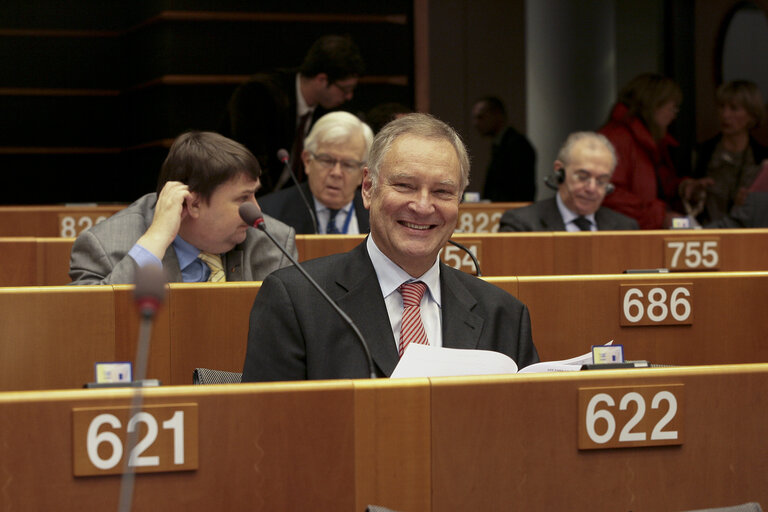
126,318
569,314
616,251
48,221
50,337
209,327
18,263
259,449
53,261
446,444
518,434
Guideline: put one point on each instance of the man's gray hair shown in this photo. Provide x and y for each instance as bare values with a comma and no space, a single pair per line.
420,125
592,141
338,128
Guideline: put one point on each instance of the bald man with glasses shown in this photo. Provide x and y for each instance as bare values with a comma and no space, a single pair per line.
329,202
582,178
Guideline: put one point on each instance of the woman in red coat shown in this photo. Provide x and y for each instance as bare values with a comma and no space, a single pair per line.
647,186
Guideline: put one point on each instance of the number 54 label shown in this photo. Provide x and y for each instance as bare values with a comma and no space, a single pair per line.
166,439
633,416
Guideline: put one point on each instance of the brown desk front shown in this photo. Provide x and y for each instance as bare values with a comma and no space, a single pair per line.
51,336
45,261
52,220
473,443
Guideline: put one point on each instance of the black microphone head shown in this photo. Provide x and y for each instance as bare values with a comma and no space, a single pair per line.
283,155
149,292
251,214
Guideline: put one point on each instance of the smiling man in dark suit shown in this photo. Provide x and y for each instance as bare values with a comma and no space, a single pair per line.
334,154
392,285
582,178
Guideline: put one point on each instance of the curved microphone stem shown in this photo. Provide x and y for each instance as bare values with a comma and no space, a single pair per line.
283,156
474,260
259,224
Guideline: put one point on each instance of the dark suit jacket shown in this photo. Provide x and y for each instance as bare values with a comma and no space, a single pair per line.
511,173
544,216
261,115
294,334
100,253
287,206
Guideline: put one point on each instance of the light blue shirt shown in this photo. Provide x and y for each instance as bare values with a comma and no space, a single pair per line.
390,278
193,269
569,216
323,213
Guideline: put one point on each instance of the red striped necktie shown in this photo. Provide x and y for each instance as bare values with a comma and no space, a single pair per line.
411,328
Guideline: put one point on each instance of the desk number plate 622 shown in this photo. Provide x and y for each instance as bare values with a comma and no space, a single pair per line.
632,416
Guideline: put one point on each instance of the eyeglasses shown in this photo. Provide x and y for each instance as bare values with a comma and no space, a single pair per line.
585,177
346,89
328,162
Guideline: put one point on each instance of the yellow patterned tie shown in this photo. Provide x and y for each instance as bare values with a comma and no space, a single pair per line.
214,263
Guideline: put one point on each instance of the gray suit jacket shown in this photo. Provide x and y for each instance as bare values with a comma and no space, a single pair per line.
544,216
294,334
100,254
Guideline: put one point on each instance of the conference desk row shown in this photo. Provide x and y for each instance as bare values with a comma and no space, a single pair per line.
45,261
68,221
667,439
50,337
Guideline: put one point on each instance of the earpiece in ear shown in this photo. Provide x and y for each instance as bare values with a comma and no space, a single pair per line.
560,175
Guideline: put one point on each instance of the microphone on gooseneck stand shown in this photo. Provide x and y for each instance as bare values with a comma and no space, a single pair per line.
284,157
252,216
474,259
148,294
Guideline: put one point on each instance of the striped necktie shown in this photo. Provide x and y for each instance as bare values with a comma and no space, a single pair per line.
411,328
214,263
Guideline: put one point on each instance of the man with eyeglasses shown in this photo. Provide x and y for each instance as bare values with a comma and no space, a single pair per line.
275,110
582,178
334,155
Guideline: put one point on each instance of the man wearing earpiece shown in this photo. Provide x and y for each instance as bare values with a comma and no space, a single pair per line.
582,179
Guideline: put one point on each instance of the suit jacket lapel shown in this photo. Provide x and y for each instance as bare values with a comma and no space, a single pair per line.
233,264
358,293
461,327
363,222
551,218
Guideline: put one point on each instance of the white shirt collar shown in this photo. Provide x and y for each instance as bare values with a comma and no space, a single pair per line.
301,104
391,276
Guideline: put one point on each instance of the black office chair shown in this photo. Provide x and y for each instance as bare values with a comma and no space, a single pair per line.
207,376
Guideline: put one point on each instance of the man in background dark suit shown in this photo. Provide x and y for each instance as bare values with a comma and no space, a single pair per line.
329,202
582,178
417,171
511,174
275,110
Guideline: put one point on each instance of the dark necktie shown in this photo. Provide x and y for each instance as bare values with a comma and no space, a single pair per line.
331,228
583,223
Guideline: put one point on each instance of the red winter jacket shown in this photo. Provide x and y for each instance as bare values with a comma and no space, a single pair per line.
644,166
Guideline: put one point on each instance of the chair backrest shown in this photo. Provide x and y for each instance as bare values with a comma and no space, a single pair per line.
207,376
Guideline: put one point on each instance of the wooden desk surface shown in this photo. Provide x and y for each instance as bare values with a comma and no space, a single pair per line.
447,444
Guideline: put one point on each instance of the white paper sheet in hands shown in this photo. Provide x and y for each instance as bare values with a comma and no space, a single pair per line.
426,361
